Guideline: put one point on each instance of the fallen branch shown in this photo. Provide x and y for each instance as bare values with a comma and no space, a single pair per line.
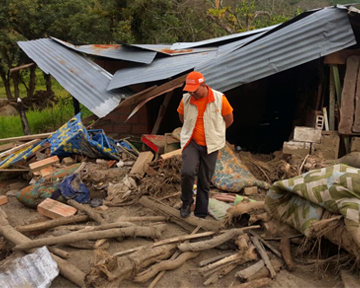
63,254
208,225
243,208
88,210
213,259
52,223
286,253
68,270
264,272
176,254
208,244
110,271
219,274
142,219
165,265
264,256
149,232
272,249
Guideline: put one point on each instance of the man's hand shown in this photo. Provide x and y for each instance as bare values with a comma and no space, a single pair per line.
181,117
229,119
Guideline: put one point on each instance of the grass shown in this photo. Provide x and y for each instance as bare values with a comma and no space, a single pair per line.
46,120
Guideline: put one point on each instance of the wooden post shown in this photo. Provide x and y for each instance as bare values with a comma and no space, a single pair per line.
162,111
335,72
331,102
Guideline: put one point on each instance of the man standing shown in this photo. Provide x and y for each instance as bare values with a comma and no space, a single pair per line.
205,114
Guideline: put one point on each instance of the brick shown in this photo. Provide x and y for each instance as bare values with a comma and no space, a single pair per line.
44,163
355,144
68,161
328,152
3,199
329,145
55,209
296,148
307,134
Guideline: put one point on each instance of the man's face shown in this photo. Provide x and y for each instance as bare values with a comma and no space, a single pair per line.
198,93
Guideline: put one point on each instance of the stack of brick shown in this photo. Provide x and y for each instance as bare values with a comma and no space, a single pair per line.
309,140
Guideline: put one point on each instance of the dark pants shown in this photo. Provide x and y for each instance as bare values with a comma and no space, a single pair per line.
194,156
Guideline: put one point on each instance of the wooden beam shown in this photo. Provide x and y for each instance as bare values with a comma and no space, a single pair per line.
335,71
340,57
21,67
18,148
332,101
162,111
26,138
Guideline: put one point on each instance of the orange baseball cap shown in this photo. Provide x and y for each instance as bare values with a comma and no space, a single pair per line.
193,81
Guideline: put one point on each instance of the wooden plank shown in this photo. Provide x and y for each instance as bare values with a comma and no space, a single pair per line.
37,166
171,154
18,148
141,163
7,146
326,119
356,124
162,111
340,57
14,170
26,138
332,101
335,71
348,94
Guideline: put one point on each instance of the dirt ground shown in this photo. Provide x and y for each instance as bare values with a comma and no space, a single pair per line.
185,276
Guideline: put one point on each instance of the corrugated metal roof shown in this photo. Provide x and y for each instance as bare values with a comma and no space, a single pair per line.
166,49
319,34
160,69
113,51
218,40
82,78
164,68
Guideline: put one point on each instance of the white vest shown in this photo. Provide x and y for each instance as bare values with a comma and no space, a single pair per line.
214,123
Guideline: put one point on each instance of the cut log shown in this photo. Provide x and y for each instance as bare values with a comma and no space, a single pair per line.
52,223
165,265
264,256
212,243
149,232
88,210
219,274
286,253
110,271
264,282
208,225
68,270
251,270
238,258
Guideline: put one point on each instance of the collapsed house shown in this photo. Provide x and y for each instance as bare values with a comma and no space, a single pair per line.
276,78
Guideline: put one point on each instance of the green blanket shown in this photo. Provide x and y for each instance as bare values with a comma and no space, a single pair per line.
301,200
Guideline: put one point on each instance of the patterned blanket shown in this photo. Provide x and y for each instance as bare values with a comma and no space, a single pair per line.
232,175
301,200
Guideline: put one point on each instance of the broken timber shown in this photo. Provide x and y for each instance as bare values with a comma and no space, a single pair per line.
208,225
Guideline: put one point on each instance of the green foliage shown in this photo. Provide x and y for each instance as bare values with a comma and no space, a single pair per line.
46,120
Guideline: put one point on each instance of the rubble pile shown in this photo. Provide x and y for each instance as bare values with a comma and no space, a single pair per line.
113,220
